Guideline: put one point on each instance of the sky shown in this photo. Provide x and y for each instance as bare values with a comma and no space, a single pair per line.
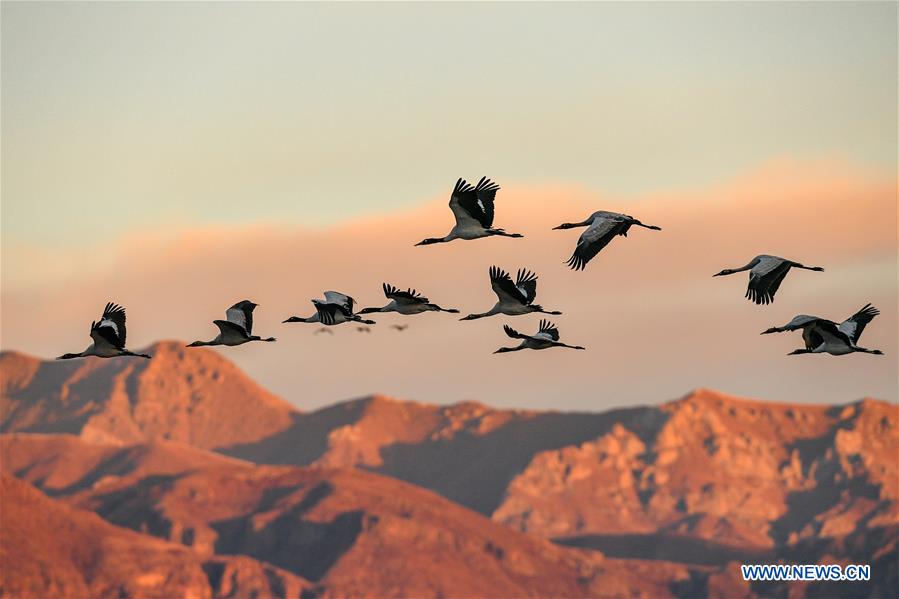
178,157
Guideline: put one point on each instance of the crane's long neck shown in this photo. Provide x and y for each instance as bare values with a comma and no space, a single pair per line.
310,319
876,352
432,240
583,223
388,308
731,271
90,351
216,341
494,310
504,350
481,315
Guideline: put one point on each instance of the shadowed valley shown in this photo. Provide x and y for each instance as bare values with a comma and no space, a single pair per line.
186,448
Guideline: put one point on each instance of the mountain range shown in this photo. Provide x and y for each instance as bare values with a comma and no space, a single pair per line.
218,488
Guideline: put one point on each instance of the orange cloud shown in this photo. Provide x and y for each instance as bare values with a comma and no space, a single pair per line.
655,321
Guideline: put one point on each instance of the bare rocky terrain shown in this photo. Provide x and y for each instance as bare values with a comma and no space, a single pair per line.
50,549
187,452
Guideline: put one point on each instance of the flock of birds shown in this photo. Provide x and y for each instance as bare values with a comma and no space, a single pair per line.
473,209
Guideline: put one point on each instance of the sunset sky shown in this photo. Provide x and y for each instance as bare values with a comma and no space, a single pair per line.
178,157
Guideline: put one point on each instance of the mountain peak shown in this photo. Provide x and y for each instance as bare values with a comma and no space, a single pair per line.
11,354
194,396
17,370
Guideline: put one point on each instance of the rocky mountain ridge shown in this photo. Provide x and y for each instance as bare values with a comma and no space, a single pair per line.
697,484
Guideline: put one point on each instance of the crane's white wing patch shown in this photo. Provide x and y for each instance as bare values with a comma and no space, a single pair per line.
237,316
766,265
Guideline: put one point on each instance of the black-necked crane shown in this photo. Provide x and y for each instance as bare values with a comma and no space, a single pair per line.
766,273
108,336
335,309
514,298
473,208
547,336
399,327
406,302
602,227
237,329
323,330
825,336
363,329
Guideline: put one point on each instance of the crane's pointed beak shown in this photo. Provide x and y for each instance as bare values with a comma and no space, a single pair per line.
771,330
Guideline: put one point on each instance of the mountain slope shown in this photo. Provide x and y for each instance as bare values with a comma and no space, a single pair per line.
709,466
467,452
200,398
711,474
53,550
194,396
748,473
66,464
328,525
